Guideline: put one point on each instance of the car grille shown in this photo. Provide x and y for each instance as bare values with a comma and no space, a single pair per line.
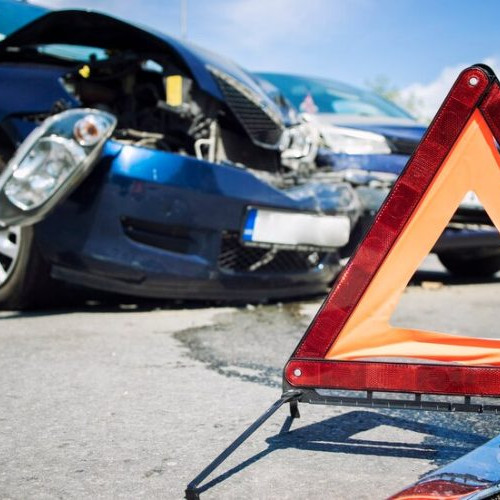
236,257
257,122
402,146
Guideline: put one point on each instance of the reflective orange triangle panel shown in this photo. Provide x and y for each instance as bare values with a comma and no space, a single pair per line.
352,329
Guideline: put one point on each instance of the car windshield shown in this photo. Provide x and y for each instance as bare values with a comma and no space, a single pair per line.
315,95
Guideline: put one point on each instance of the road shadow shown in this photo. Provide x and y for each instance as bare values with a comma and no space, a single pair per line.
440,443
443,277
111,304
90,301
74,299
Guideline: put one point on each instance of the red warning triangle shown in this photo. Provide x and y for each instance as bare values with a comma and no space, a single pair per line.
351,343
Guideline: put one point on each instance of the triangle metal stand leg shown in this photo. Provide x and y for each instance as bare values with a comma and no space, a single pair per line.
192,491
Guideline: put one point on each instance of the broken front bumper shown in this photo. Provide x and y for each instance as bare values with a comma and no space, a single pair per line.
158,224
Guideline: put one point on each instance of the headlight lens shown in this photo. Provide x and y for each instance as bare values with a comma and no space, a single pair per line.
354,142
52,159
43,170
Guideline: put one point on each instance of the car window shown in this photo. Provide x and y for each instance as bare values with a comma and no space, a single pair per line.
311,95
73,52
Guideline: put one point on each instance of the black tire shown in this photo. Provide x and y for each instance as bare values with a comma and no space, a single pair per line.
470,264
28,284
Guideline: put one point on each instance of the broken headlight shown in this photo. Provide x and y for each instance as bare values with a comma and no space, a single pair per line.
51,161
299,145
354,142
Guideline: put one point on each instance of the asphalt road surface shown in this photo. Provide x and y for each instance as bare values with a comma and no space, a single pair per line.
132,401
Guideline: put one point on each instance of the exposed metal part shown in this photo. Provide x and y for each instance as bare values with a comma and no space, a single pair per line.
138,137
300,146
267,257
210,148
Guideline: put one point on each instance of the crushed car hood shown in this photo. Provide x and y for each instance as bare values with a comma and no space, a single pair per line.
92,29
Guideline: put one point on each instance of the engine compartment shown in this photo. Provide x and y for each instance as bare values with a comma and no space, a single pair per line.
139,91
158,105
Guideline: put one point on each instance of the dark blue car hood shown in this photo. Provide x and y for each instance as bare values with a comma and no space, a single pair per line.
85,28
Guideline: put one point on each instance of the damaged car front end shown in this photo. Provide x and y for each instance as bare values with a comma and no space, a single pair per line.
133,163
367,142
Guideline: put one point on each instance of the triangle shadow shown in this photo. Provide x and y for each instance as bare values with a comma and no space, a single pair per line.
335,435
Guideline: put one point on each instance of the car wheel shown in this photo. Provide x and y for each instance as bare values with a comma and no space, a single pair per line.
470,264
24,277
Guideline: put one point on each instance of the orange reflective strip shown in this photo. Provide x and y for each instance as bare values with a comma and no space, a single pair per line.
472,164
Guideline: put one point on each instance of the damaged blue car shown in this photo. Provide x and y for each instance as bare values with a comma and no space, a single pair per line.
134,163
367,141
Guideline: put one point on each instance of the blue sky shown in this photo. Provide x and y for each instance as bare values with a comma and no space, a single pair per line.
416,44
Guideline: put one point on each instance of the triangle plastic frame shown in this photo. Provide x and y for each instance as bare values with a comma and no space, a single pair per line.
453,366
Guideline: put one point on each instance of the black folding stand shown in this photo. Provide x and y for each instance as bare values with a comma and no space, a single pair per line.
291,397
408,401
